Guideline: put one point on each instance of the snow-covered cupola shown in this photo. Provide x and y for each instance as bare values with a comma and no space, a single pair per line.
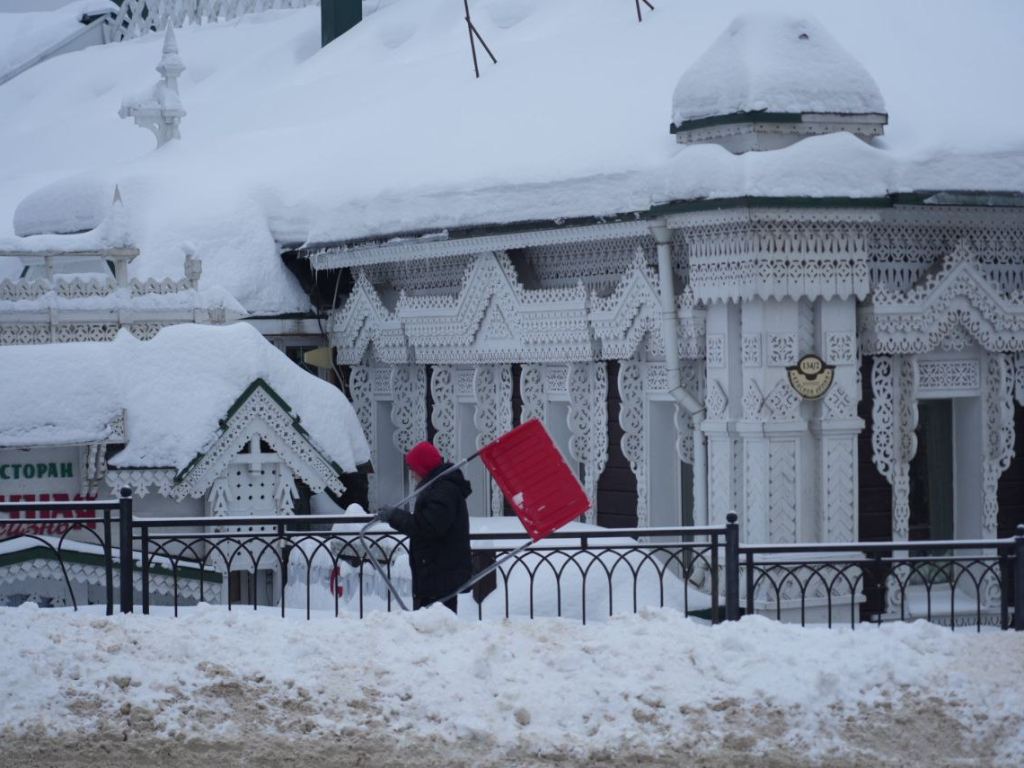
769,81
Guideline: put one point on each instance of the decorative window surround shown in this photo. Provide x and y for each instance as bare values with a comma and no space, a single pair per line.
998,434
443,414
600,264
588,423
259,414
421,275
360,388
640,383
632,313
493,319
631,419
951,307
905,244
492,385
556,382
531,389
464,383
742,254
364,319
409,406
893,440
938,377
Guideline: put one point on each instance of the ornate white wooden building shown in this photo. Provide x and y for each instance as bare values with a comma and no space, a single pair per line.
656,345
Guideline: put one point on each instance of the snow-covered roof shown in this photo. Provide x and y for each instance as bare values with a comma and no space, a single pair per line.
771,62
172,390
26,36
387,131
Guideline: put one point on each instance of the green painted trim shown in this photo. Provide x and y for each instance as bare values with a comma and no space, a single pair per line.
84,558
924,198
960,198
687,206
285,315
259,383
737,117
479,230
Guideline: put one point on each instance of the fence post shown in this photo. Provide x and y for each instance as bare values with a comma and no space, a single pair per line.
127,566
108,560
1018,579
732,567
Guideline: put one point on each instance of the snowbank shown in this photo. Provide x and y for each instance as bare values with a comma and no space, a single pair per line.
174,390
646,684
386,130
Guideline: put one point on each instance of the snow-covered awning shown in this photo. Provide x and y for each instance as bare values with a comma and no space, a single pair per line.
178,393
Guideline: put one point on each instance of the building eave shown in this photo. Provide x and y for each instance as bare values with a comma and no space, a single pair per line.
442,242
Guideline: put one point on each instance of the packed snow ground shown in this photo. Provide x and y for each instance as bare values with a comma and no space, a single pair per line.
654,684
386,130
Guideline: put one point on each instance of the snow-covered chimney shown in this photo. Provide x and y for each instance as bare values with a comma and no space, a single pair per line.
159,109
771,80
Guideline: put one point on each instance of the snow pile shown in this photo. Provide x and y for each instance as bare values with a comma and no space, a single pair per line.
24,36
386,130
650,684
775,63
173,389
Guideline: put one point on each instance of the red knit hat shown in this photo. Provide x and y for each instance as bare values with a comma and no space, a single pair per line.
423,459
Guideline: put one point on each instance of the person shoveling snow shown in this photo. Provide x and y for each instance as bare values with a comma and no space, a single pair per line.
438,528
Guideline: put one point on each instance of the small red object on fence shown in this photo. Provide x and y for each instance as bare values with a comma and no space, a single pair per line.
532,473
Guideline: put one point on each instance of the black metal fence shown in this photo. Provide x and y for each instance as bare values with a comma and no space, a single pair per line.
317,565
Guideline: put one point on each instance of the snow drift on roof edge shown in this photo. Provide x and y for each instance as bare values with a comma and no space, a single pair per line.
175,389
776,63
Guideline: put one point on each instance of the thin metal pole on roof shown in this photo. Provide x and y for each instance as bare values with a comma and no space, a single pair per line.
473,33
639,10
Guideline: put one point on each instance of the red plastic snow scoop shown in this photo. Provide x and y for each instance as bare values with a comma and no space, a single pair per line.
531,472
533,475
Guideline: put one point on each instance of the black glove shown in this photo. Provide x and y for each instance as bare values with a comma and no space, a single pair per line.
386,514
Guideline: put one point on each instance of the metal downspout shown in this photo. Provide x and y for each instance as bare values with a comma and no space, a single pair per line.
670,332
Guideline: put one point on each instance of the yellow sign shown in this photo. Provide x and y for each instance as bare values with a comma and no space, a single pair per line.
319,357
810,377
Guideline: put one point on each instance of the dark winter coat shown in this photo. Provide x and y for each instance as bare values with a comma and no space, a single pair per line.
438,531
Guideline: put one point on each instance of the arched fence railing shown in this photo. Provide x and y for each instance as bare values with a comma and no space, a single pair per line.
306,566
134,18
